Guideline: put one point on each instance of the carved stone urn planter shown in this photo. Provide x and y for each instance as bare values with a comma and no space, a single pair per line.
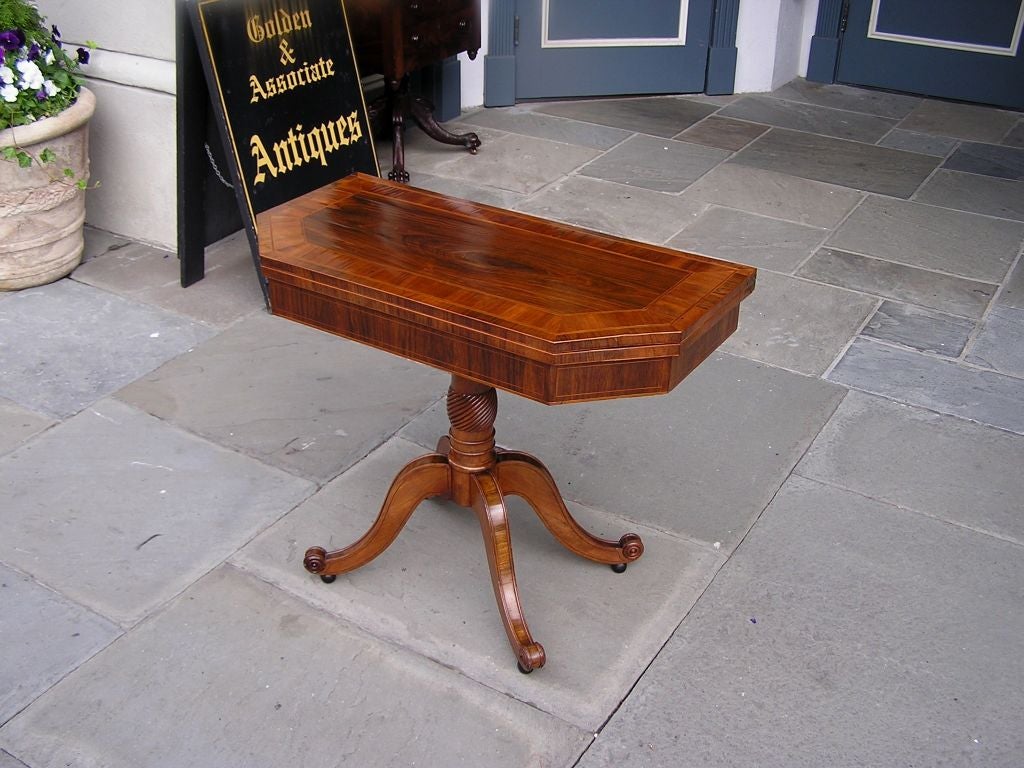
41,210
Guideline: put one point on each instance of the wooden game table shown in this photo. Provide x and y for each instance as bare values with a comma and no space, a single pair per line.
499,300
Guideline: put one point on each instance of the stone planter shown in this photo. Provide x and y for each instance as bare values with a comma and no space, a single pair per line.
41,213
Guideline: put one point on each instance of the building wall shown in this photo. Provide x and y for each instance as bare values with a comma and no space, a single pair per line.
133,146
132,135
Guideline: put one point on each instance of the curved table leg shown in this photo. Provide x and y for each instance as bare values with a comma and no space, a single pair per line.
490,509
520,474
423,113
420,479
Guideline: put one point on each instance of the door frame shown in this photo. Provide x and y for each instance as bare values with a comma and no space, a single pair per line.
500,61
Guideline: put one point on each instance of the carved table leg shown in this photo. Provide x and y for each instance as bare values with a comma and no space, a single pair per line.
468,469
520,474
420,479
423,113
399,102
490,509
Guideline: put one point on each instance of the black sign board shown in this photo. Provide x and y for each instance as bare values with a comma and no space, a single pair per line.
283,79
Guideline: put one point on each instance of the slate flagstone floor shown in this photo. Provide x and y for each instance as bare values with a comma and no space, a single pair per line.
833,503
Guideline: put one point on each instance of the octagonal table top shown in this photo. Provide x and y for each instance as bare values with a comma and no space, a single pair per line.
549,311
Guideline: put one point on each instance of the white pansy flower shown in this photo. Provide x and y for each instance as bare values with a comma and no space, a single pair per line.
6,75
9,93
31,76
51,88
49,58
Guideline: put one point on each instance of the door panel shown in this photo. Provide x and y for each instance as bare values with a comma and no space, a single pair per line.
612,20
573,48
958,49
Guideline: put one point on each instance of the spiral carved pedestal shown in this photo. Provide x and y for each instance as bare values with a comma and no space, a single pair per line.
468,469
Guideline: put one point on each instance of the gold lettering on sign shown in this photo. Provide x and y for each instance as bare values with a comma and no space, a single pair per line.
280,22
304,146
307,74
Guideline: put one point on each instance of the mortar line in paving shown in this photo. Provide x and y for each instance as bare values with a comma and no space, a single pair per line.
856,335
979,326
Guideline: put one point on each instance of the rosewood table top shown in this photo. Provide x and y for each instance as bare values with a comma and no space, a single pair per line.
545,310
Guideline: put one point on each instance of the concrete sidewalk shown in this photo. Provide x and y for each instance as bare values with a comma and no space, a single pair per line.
833,503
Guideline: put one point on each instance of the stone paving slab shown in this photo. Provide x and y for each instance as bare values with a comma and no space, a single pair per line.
813,118
941,385
431,590
237,674
1015,136
66,345
120,511
901,283
837,161
466,190
760,241
1013,289
665,116
999,344
721,132
301,399
6,761
44,636
962,472
18,424
987,159
770,193
882,637
925,236
639,214
230,290
525,120
508,161
702,461
922,143
922,329
978,194
663,165
837,96
963,121
796,324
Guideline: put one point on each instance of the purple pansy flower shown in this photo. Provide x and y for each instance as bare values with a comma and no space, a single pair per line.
56,34
83,56
12,39
33,52
41,94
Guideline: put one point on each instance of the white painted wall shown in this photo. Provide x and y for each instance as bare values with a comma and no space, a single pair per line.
132,135
773,40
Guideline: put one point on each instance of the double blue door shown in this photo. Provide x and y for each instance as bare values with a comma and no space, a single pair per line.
601,47
957,49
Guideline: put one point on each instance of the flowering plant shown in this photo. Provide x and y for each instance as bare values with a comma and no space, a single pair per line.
38,78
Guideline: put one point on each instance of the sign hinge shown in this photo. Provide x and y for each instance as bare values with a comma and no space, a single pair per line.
844,14
515,31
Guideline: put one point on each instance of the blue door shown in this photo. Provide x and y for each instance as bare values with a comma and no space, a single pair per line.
956,49
603,47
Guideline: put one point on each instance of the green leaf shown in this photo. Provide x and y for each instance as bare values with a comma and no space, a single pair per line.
47,156
24,160
69,173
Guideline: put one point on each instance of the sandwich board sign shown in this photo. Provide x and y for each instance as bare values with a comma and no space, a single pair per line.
285,89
